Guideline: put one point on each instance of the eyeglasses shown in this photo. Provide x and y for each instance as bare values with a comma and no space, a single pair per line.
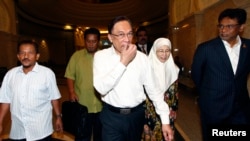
163,51
122,35
230,26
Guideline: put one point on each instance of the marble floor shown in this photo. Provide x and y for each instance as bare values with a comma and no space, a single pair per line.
187,123
188,120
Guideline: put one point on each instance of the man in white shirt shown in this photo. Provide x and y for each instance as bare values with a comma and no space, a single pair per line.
30,92
120,75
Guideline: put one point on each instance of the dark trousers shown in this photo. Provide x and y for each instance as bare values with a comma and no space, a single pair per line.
122,127
48,138
94,126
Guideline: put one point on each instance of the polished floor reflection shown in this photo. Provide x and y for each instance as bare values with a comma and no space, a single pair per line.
188,118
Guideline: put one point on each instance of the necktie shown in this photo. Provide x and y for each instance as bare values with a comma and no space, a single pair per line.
143,49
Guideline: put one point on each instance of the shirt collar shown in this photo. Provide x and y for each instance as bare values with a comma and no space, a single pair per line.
238,43
35,68
140,45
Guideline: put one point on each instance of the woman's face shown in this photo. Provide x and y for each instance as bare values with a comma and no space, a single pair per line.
163,53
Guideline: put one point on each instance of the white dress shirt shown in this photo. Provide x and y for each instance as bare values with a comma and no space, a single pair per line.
233,53
29,96
122,86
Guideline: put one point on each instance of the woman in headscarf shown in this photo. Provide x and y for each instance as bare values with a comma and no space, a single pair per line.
166,76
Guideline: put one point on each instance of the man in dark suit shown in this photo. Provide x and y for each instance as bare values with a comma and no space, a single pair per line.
142,42
219,70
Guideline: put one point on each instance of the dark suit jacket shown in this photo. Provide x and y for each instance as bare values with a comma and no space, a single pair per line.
221,93
149,46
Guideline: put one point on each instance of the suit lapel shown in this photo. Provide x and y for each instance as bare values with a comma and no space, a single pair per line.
222,52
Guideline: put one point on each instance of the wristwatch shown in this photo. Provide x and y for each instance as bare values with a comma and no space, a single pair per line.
59,115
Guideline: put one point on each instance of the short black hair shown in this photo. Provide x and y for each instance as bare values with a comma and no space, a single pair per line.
116,20
236,13
28,41
92,30
141,28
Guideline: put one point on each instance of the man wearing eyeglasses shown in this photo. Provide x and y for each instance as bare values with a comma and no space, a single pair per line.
120,75
220,69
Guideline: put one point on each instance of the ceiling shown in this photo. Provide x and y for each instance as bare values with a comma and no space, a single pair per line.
91,13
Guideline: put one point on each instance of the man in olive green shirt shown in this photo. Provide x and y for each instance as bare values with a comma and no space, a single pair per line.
79,74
